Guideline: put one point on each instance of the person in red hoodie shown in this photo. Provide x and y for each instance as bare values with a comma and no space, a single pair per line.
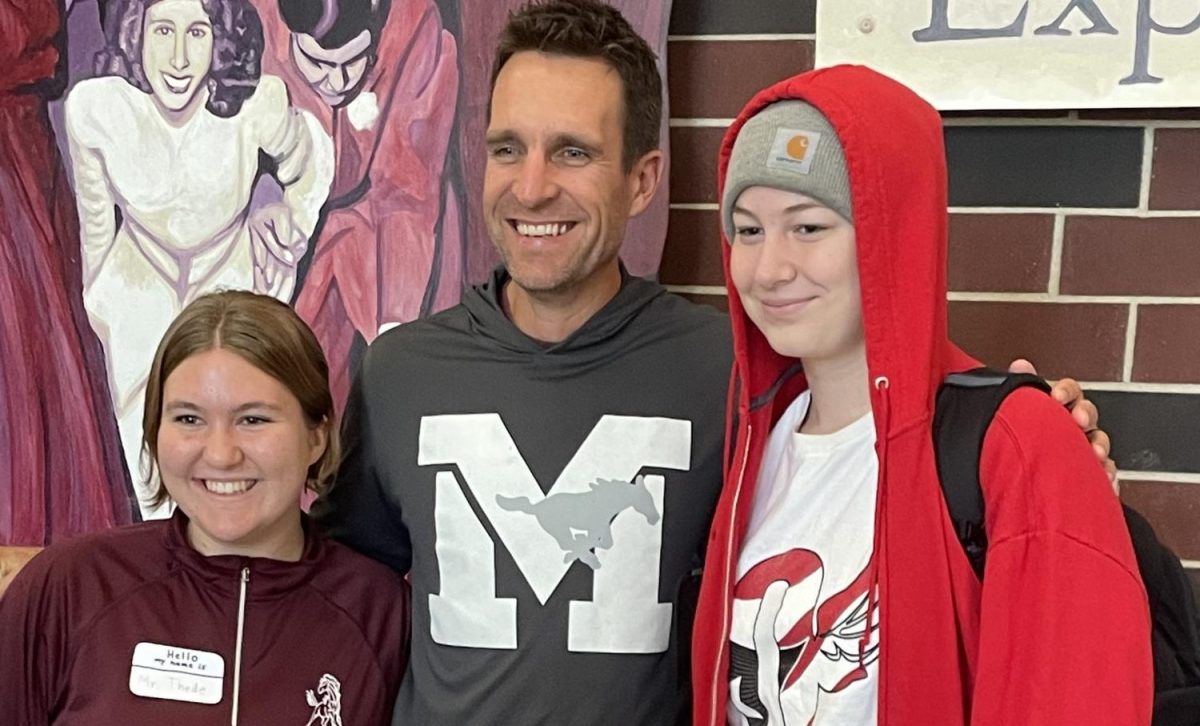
835,589
235,609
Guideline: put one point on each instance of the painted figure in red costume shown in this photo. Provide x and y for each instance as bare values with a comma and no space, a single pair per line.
61,470
382,77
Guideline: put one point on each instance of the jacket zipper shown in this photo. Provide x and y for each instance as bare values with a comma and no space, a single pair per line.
730,566
237,653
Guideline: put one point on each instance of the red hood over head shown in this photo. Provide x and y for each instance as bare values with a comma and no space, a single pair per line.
895,158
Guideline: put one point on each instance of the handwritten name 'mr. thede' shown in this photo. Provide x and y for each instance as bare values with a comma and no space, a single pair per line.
939,29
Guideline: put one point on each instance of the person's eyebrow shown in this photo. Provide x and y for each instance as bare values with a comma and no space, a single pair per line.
503,136
257,406
802,206
314,59
357,56
249,405
181,406
319,61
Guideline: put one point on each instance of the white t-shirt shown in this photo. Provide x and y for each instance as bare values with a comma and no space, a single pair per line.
800,604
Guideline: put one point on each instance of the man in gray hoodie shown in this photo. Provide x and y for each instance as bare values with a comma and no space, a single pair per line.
545,457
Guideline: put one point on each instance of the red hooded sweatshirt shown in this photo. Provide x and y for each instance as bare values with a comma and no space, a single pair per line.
1058,633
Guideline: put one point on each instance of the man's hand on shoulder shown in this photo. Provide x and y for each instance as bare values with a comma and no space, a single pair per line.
1069,393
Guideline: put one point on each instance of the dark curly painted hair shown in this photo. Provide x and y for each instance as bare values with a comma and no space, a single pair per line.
593,29
237,50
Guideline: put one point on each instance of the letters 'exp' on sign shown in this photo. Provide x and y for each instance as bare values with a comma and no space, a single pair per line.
1013,54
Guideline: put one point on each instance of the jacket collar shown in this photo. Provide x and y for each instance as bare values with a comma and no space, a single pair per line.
488,319
269,578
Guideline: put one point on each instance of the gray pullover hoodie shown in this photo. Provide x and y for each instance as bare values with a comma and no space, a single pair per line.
550,502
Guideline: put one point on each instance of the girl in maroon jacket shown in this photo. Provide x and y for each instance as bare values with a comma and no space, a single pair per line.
235,610
836,590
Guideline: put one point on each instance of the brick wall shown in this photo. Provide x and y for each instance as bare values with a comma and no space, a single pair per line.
1074,241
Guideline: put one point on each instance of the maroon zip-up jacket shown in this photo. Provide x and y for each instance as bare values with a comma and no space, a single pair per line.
134,626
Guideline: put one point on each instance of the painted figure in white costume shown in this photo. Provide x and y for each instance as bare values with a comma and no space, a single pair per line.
165,150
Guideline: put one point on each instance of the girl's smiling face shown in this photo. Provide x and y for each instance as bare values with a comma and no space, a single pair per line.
234,451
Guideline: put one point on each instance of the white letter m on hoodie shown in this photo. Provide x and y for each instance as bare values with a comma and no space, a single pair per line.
599,511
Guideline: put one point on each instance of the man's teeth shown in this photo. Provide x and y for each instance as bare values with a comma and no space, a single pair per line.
228,487
542,230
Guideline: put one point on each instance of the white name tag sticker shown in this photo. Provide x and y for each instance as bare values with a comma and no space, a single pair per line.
176,674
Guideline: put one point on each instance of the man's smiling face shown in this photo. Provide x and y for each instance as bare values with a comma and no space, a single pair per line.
557,195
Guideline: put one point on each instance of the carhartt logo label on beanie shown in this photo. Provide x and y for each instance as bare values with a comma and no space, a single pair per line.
788,145
793,150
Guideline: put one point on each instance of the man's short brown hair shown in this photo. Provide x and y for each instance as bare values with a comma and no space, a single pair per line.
591,29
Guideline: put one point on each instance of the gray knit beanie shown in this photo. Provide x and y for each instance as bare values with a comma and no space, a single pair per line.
788,145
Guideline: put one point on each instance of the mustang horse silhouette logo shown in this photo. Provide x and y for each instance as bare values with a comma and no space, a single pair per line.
581,522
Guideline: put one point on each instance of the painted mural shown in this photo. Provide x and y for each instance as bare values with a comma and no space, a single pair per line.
326,152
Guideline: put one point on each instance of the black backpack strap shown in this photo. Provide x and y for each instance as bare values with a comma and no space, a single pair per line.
966,404
1176,625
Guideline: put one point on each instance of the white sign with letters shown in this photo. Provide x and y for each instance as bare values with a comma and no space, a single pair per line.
1023,54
